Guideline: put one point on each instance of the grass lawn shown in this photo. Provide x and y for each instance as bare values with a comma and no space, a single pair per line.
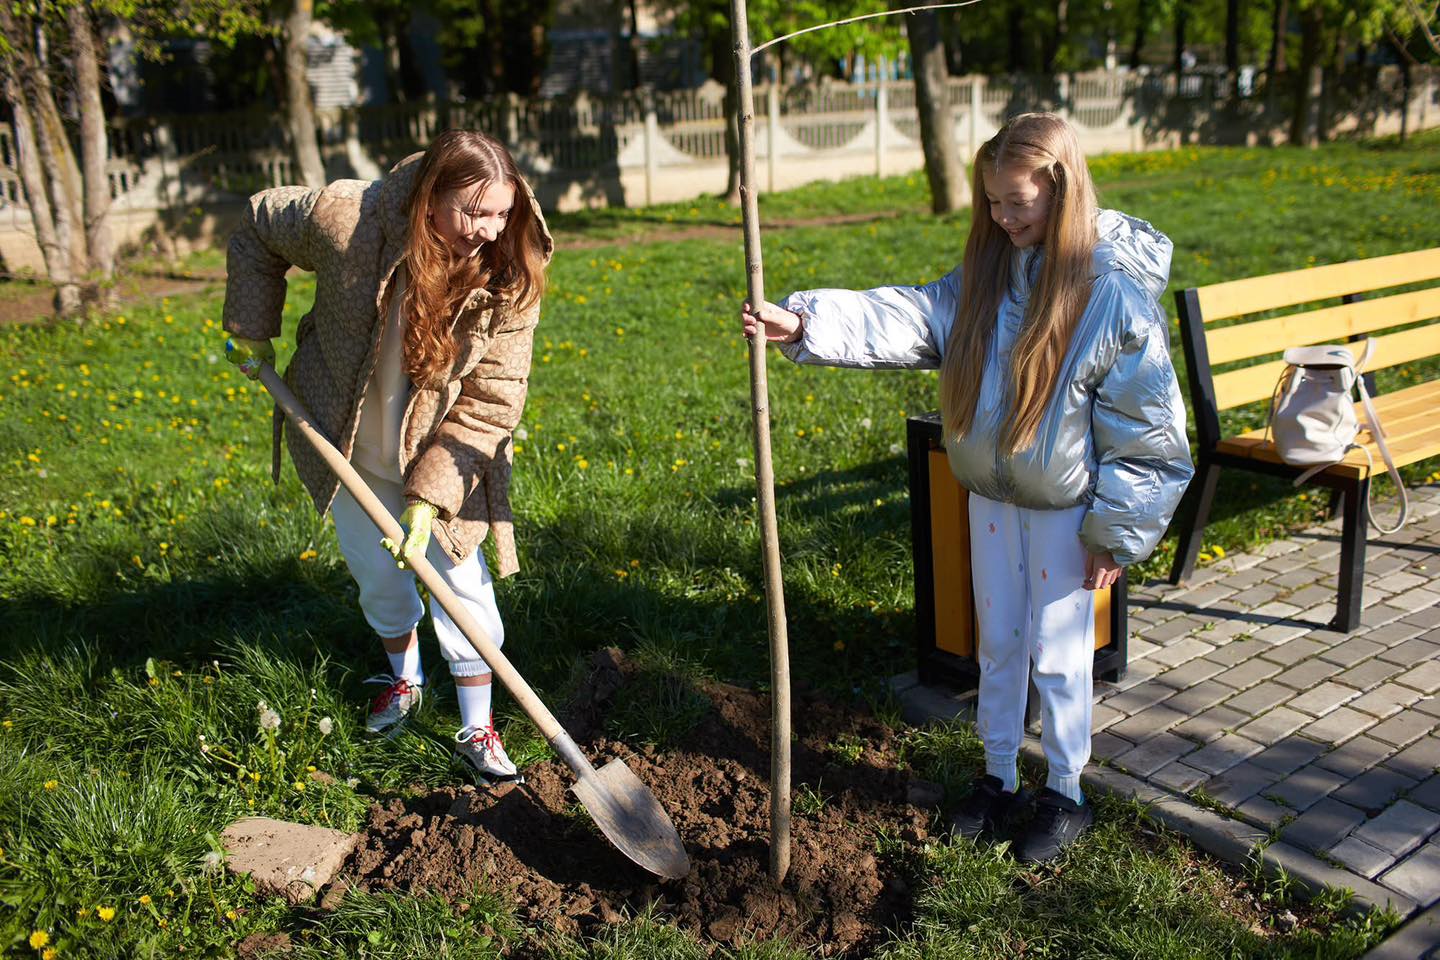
157,587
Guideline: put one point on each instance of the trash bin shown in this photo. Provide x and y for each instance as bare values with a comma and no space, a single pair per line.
945,627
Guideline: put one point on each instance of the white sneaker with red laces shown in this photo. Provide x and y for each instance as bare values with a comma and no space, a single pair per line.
481,748
394,703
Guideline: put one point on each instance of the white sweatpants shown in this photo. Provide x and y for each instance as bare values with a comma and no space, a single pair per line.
388,596
1028,571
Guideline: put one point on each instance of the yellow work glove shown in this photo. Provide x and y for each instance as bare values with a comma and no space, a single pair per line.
415,522
249,354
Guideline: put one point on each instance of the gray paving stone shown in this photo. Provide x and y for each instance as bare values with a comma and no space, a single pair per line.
1307,673
1400,828
1425,677
1107,746
1182,651
1223,753
1207,595
1179,777
1368,674
1139,647
1282,632
1404,728
1312,594
1252,597
1393,633
1140,671
1427,794
1288,755
1417,876
1139,697
1397,582
1147,723
1384,700
1202,696
1293,652
1195,671
1274,725
1411,652
1260,698
1323,825
1239,783
1321,699
1296,577
1209,724
1381,614
1347,653
1154,753
1305,787
1171,630
1361,857
1430,705
1375,789
1339,725
1266,813
1277,610
1357,756
1102,715
1427,618
1419,760
1417,598
1234,651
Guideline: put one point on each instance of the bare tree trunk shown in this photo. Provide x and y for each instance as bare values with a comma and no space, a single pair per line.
1279,27
1302,127
937,119
67,189
1142,24
94,149
723,59
1056,40
299,107
1232,44
1182,20
32,180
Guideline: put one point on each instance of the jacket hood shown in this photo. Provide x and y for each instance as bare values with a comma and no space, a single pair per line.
1135,248
395,199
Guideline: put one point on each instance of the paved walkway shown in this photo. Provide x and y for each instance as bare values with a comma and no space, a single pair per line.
1320,746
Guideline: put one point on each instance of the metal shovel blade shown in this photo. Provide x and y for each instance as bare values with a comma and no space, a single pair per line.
629,815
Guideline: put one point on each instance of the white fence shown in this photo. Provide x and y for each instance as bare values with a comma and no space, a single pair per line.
656,147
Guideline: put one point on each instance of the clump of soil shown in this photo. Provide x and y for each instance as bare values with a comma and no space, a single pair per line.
535,840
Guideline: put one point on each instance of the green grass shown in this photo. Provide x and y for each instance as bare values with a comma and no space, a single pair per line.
157,588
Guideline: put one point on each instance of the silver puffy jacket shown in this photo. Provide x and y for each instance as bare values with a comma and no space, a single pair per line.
1113,437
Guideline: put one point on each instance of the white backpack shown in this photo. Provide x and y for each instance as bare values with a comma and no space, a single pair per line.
1312,418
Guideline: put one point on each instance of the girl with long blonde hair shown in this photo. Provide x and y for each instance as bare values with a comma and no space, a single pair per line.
415,361
1062,418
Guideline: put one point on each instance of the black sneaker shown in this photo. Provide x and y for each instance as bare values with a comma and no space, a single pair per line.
1058,822
987,810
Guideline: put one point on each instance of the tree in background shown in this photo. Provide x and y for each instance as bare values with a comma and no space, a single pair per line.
943,168
50,50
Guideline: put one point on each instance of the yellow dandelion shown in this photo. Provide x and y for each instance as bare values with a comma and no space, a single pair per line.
154,681
231,915
105,913
839,645
52,784
49,953
308,555
145,900
583,464
39,938
27,521
634,563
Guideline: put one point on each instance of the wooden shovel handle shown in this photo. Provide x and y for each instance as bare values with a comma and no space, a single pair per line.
440,591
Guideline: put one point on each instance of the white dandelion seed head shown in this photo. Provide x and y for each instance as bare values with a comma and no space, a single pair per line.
522,434
895,448
269,720
327,726
210,863
865,424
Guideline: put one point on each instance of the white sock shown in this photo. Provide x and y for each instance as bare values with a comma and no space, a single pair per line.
474,705
1003,768
407,664
1065,786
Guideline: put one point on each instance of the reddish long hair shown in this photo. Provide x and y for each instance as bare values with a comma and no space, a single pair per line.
512,265
1040,143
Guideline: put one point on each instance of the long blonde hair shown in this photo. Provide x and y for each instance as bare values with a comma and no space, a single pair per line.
513,264
1044,144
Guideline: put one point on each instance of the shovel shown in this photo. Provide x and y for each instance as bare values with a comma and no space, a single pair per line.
622,807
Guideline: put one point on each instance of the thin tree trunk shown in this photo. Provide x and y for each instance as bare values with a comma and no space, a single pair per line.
299,107
937,119
1279,28
67,189
1056,40
1232,44
1142,23
32,179
1019,55
94,149
1302,127
723,60
1182,20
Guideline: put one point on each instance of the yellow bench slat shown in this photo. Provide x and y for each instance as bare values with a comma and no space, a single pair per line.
1257,382
1259,337
1235,298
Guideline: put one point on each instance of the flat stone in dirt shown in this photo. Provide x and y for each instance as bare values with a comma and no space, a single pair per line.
291,860
855,840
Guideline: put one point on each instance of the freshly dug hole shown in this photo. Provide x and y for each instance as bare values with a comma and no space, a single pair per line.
841,894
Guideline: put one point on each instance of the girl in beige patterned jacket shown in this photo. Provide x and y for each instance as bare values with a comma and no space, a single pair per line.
414,360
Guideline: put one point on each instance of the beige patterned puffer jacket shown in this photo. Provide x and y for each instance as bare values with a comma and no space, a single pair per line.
455,443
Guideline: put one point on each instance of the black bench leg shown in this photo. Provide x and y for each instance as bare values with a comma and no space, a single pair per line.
1202,495
1337,503
1350,602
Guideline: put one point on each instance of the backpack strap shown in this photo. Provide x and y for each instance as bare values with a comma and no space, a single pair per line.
1373,420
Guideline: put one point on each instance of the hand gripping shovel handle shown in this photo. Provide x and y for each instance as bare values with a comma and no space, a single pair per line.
538,713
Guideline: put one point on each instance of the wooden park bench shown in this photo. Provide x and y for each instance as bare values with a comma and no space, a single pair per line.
1216,337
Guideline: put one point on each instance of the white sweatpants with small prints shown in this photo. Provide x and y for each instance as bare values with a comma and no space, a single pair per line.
388,596
1028,572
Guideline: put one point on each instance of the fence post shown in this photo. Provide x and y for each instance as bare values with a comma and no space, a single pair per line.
1062,91
652,137
882,116
977,100
772,131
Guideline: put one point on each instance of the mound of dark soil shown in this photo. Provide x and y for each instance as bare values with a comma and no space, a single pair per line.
534,839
